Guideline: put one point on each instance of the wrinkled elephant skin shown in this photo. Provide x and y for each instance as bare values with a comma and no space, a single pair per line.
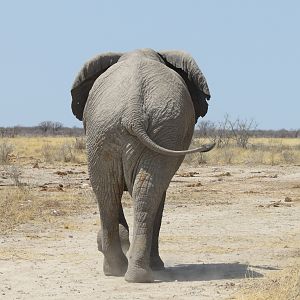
139,110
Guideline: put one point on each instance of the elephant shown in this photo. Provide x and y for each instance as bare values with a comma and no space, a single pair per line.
139,110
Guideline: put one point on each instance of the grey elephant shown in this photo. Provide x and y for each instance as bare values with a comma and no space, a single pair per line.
139,110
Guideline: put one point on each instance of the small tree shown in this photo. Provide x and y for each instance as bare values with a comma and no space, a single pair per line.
242,131
49,126
225,131
206,129
56,126
45,126
218,133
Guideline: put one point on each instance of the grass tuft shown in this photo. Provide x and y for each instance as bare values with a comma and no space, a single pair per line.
6,149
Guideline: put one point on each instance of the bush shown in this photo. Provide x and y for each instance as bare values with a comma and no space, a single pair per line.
6,150
66,153
14,172
48,153
224,132
80,143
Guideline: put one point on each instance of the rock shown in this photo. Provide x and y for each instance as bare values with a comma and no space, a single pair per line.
223,174
187,174
194,184
60,187
55,212
61,173
36,165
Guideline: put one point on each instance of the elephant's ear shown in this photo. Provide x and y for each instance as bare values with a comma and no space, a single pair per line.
86,78
187,68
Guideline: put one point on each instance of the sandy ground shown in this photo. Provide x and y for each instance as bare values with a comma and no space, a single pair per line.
223,227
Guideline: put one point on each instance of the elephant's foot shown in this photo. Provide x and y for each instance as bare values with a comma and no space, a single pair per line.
115,267
156,264
124,239
139,275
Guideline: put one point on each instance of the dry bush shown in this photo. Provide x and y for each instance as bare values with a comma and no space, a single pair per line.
47,153
66,153
289,156
71,152
255,157
14,172
269,151
49,149
259,151
227,132
80,143
228,155
242,131
279,151
5,150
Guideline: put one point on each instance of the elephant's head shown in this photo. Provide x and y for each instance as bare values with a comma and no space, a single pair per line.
179,61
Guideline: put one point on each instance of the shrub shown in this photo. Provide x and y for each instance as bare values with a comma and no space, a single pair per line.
14,172
80,143
5,150
48,153
66,153
289,156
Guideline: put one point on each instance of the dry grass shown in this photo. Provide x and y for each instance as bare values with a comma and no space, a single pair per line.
16,206
22,203
260,151
19,205
48,149
268,151
283,285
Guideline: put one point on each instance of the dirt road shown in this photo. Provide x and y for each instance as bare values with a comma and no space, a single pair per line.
222,227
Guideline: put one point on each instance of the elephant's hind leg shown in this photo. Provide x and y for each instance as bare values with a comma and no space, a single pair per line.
107,183
123,233
156,262
152,179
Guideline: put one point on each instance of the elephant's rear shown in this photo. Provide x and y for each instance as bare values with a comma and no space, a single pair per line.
140,93
139,110
168,104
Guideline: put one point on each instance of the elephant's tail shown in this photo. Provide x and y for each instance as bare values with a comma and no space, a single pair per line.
146,140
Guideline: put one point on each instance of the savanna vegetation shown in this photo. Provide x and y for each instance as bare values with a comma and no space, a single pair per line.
51,144
51,148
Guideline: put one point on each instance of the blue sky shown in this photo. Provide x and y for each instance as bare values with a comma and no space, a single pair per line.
249,52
